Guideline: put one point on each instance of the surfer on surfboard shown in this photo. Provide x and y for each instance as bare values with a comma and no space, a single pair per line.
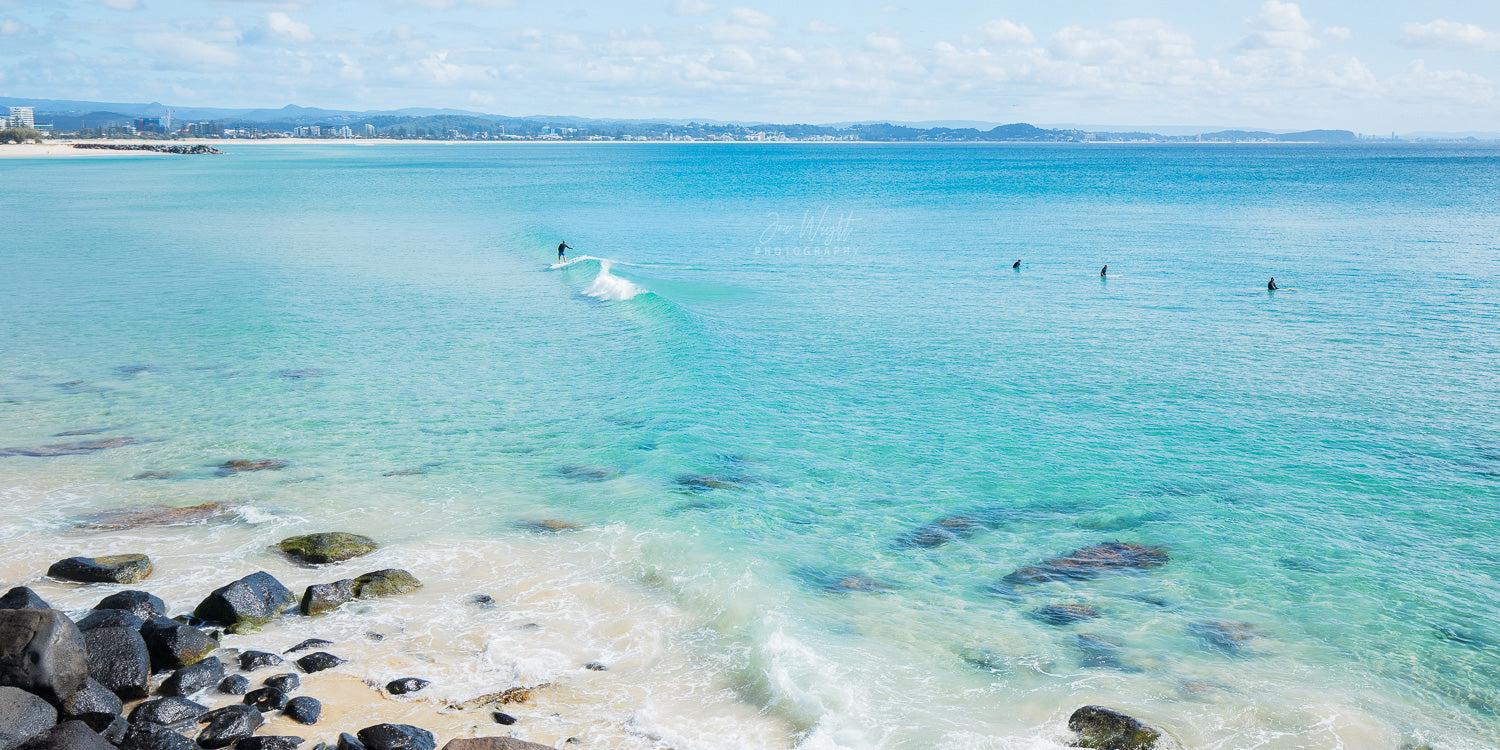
1016,265
562,255
1104,271
1271,286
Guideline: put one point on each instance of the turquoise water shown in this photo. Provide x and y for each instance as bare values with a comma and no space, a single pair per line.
777,360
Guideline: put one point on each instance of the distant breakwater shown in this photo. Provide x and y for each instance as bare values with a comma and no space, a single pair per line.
198,148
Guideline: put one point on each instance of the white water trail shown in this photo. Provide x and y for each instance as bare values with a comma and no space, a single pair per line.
611,288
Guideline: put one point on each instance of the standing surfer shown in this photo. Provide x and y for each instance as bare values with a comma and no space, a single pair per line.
562,255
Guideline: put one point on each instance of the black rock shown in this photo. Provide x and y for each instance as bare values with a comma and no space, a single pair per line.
326,597
93,698
941,531
23,716
194,677
155,737
1106,729
388,582
173,644
229,725
110,618
405,685
482,601
110,726
501,717
595,666
107,569
142,604
286,683
21,597
69,735
42,652
318,661
303,709
119,661
269,742
167,711
349,742
247,603
235,684
307,644
397,737
266,699
1063,614
253,660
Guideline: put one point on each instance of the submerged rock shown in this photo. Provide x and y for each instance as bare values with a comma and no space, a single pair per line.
229,725
940,532
1225,636
154,474
139,603
549,525
1102,652
1064,614
1091,562
108,569
247,603
300,373
703,483
318,661
71,449
156,515
405,472
327,547
118,660
42,652
1102,728
493,743
173,645
397,737
23,716
21,597
388,582
242,465
587,473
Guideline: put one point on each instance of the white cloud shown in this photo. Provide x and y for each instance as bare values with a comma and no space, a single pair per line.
1450,35
12,27
689,7
282,25
889,45
1279,26
123,4
1342,33
172,51
819,27
748,17
1004,31
736,33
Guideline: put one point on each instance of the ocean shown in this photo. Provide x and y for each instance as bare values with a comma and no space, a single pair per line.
806,419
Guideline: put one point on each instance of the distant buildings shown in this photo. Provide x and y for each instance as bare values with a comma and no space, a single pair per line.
20,117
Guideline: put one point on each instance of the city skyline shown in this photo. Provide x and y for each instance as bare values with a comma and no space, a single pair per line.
1371,67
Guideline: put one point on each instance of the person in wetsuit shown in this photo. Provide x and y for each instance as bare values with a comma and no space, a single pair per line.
562,257
1016,265
1271,287
1105,270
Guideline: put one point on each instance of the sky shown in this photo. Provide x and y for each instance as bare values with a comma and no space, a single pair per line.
1372,66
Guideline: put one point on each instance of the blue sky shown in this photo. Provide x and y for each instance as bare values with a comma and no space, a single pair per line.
1368,65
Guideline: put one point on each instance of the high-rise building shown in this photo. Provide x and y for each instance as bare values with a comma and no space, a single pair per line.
21,117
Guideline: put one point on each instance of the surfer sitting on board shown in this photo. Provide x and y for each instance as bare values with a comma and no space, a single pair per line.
1271,287
562,255
1105,270
1016,265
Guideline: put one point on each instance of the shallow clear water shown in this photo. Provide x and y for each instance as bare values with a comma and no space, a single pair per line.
834,338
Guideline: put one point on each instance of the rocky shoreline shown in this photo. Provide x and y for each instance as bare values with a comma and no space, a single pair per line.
197,148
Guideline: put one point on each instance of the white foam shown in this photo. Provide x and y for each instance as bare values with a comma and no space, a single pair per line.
612,288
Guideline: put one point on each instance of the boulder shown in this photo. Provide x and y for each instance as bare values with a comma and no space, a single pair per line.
1102,728
131,568
388,582
110,618
167,711
241,465
269,742
350,742
173,645
229,725
327,547
286,683
111,726
318,661
502,718
69,735
42,652
247,603
326,597
119,661
93,698
266,699
307,644
494,743
397,737
940,532
155,737
156,515
194,677
1091,562
23,716
1064,614
253,660
142,604
235,684
21,597
405,685
303,709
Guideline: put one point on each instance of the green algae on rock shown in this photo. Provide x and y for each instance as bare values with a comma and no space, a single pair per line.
327,547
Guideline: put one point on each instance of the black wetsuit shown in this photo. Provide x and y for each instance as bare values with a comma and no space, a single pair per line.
1271,285
561,246
1016,265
